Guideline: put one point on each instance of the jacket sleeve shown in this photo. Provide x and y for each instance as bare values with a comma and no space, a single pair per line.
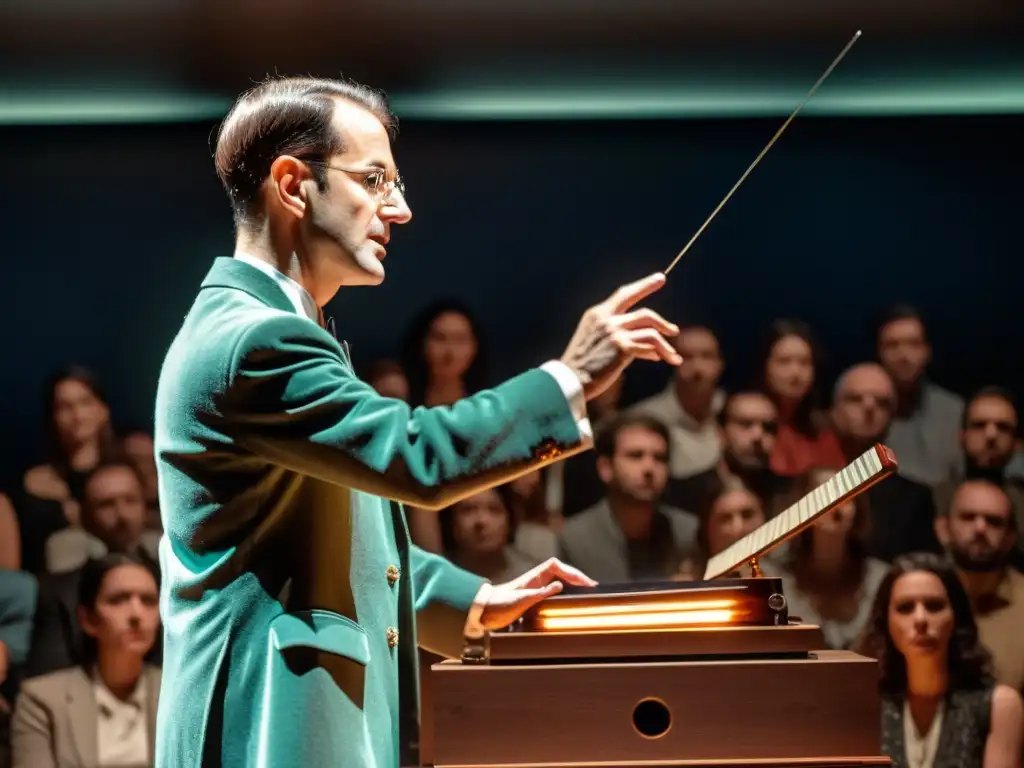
444,595
18,592
291,399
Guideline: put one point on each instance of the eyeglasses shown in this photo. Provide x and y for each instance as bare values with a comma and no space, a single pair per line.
374,179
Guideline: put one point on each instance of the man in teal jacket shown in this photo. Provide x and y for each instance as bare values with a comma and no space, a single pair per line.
292,598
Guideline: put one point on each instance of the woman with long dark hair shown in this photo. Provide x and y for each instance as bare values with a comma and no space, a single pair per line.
100,713
443,359
940,706
443,354
789,365
79,438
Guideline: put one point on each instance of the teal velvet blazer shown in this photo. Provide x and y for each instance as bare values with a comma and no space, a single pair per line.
292,598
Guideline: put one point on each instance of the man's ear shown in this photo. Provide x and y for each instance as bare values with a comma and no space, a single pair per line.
286,184
604,469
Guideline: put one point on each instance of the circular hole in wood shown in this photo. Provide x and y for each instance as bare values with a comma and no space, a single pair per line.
652,718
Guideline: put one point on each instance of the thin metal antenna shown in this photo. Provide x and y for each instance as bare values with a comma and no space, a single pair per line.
764,151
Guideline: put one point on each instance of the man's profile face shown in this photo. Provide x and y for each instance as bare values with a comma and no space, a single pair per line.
347,226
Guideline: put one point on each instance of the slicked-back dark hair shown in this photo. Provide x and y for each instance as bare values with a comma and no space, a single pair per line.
285,116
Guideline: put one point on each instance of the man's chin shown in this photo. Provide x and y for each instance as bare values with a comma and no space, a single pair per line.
368,271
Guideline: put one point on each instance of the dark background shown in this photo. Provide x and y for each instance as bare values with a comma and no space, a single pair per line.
108,229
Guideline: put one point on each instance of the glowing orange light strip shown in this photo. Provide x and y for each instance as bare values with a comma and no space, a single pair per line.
634,608
650,619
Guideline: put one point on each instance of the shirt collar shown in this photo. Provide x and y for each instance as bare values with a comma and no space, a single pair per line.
299,296
109,703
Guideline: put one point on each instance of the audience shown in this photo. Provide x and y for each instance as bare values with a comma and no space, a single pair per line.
113,516
979,531
80,437
691,402
827,576
444,361
674,479
748,425
924,429
479,535
630,535
902,512
788,368
940,707
988,439
101,712
732,513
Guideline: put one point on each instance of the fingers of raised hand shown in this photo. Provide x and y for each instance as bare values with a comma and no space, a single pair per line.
647,318
629,294
647,344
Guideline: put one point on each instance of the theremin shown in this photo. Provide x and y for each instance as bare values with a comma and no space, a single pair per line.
711,672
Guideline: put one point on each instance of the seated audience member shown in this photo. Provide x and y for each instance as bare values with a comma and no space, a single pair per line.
729,516
113,518
478,535
138,450
10,536
827,576
17,605
113,514
989,441
534,523
924,428
444,360
100,713
748,422
979,531
940,707
79,439
572,485
630,535
788,366
691,402
388,379
902,511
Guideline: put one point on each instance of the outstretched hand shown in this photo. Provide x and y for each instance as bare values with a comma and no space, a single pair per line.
507,602
610,336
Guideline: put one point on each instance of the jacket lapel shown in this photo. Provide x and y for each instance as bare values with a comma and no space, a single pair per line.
82,714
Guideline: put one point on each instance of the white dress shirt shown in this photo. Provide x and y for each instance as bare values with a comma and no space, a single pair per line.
121,730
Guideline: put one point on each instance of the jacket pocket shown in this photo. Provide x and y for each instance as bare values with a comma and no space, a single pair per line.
321,630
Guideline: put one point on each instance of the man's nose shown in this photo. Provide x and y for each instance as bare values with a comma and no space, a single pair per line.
395,210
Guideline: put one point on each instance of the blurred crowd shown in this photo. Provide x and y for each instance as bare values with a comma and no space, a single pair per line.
922,571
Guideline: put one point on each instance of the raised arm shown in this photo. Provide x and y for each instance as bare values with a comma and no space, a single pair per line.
291,398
